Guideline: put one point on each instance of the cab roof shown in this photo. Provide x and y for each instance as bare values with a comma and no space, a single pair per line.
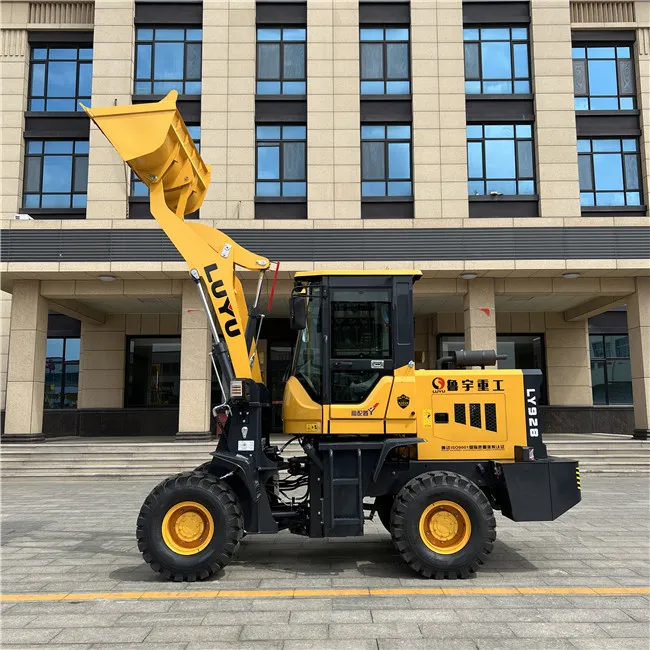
356,272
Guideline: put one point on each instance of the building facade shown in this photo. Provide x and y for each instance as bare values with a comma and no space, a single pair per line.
500,147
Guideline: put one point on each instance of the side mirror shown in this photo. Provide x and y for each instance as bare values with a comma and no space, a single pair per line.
298,312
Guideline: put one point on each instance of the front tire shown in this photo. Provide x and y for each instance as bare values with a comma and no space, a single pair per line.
190,526
443,525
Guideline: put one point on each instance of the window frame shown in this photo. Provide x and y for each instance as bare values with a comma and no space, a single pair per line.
64,366
41,156
621,154
46,61
605,359
302,198
386,141
127,385
517,179
384,43
586,45
281,80
152,79
512,42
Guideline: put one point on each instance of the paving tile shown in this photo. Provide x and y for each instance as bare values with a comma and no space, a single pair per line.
49,646
23,637
557,630
610,644
524,644
426,644
18,620
374,630
469,630
103,635
356,644
330,616
415,615
372,602
277,632
627,630
134,646
156,618
239,645
586,615
194,633
242,617
293,604
500,615
73,620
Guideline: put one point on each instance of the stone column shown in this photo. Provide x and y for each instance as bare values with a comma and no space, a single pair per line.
642,66
568,368
196,373
14,56
214,109
638,322
26,367
439,118
101,364
5,322
240,161
113,69
555,125
480,320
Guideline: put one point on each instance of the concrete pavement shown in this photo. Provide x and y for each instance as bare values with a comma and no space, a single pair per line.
579,582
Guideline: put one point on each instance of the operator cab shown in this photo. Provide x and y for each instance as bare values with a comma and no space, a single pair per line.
355,329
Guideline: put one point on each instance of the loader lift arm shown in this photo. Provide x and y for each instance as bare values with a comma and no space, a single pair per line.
154,141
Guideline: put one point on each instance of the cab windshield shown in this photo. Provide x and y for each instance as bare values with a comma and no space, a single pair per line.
307,361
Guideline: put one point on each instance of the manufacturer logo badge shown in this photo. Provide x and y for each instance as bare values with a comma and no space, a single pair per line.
403,401
438,383
364,413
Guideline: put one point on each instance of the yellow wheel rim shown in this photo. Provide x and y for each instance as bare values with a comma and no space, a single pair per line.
187,528
445,527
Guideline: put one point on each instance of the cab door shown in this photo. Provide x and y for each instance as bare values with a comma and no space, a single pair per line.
360,358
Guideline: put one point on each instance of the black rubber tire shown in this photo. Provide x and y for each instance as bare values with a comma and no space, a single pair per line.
383,505
221,502
408,507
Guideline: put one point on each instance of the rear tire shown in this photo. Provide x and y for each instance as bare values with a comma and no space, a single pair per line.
443,525
190,526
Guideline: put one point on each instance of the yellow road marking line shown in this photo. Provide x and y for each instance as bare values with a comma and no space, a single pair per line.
326,593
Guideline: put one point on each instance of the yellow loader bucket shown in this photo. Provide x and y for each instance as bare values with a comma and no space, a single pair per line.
154,141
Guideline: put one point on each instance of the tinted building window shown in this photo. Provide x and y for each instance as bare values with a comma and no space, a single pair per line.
60,78
153,371
385,68
138,188
524,352
61,373
496,60
281,161
56,174
609,172
281,61
500,159
603,78
386,160
168,59
611,376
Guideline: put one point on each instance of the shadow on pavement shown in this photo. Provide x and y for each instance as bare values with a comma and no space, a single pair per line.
354,559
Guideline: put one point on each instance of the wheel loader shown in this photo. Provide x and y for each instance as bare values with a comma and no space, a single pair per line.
432,453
